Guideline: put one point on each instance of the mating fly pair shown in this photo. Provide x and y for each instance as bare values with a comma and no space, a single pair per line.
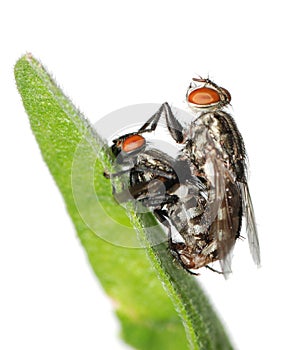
202,193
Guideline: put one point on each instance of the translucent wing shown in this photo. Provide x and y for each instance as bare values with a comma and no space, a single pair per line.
251,227
228,200
214,174
227,223
224,209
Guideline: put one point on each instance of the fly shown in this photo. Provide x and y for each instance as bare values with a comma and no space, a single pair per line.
203,192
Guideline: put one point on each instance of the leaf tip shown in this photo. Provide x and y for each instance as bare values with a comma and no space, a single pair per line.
26,58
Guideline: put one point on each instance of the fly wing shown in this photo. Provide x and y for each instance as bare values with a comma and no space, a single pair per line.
228,201
230,216
227,223
223,212
214,174
251,227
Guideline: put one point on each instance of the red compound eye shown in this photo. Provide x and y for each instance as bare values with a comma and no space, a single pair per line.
132,143
204,96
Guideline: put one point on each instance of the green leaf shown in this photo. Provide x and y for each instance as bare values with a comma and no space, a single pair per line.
160,306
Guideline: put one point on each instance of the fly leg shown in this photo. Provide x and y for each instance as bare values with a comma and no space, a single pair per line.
152,121
214,270
156,201
141,168
151,193
162,217
117,174
114,175
175,128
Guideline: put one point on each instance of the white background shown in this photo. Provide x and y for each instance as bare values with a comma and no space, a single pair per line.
107,55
